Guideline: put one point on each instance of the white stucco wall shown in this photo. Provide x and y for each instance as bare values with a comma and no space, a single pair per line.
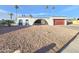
65,22
23,19
49,21
32,20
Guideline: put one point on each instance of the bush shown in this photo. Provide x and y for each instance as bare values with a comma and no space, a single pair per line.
2,22
6,22
9,22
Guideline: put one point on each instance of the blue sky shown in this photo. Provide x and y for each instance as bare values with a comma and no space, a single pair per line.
40,10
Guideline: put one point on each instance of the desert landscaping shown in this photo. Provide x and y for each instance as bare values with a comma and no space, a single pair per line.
24,32
36,39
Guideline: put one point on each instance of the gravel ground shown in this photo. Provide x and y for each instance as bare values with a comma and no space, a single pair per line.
36,38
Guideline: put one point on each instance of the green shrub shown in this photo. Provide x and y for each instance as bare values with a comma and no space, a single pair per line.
6,22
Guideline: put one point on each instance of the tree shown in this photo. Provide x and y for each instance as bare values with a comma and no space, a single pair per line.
30,16
16,7
6,22
53,7
11,15
9,22
46,7
2,22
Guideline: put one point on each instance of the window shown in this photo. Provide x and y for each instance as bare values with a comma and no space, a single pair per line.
21,22
27,22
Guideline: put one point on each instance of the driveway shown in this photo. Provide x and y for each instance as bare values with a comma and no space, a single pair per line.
6,29
73,47
74,27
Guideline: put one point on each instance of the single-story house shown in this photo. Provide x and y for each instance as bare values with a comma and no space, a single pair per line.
75,21
55,20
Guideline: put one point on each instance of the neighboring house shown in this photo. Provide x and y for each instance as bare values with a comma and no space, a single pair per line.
75,21
56,20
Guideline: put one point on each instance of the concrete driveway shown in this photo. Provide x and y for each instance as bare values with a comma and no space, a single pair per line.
73,47
74,27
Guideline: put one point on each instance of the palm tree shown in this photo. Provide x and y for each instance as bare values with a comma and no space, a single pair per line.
53,7
11,15
47,7
30,16
16,7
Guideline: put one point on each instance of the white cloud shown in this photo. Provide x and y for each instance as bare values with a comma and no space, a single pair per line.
35,14
5,14
3,11
39,14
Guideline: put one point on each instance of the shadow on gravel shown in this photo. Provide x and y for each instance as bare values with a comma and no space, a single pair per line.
6,29
52,45
46,48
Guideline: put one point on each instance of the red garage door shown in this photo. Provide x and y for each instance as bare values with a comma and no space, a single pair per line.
58,21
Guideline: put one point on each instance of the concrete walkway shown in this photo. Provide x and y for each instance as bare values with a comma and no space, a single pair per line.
73,47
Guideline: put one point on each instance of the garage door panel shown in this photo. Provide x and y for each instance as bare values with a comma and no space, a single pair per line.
58,21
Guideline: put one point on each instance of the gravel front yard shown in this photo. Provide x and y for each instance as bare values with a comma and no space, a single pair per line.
36,38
